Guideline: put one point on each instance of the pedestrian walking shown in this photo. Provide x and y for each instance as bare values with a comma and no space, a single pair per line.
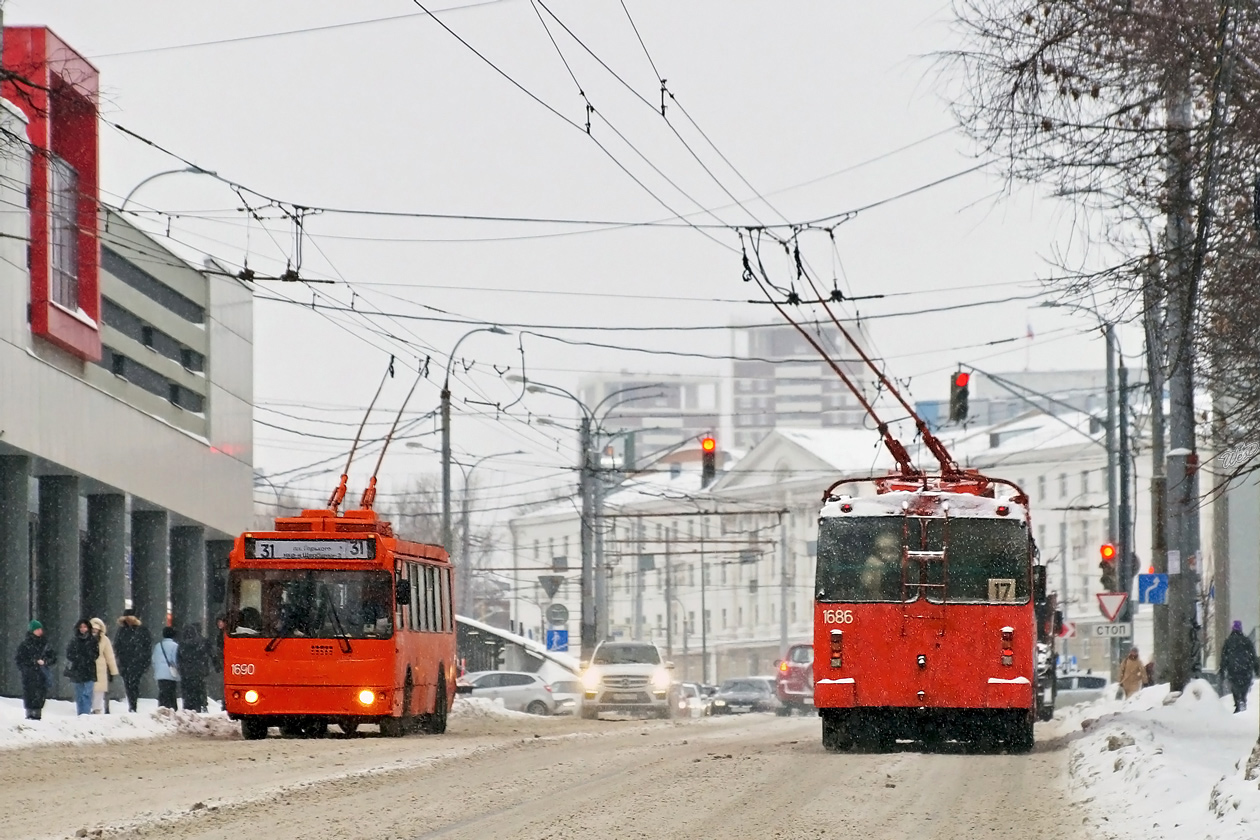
35,659
133,647
1150,673
194,667
1132,674
1238,664
81,654
106,668
220,624
165,660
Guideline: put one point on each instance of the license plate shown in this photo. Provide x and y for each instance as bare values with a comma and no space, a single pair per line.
741,708
620,698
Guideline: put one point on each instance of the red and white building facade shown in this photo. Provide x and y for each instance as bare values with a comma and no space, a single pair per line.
126,380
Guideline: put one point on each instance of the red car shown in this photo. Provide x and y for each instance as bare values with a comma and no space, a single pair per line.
794,680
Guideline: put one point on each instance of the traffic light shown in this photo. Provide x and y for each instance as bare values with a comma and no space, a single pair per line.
1107,565
708,460
958,396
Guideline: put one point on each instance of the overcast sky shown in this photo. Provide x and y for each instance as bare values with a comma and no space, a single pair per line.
844,97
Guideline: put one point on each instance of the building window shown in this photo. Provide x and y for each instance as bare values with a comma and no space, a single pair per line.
1062,485
118,365
173,394
1041,488
65,235
1084,481
723,619
146,336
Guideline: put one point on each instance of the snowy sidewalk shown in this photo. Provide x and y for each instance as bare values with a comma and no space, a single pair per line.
1164,766
60,725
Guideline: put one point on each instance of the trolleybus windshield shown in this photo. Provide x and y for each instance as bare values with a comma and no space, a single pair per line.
316,604
860,559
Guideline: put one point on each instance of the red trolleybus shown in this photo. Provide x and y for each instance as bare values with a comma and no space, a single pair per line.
333,619
925,621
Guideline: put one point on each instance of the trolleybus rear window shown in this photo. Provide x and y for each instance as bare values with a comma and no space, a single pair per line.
860,560
316,604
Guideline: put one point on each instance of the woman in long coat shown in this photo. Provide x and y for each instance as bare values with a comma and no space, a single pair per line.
106,667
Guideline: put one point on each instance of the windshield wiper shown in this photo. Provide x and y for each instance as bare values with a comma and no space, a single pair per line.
344,638
275,640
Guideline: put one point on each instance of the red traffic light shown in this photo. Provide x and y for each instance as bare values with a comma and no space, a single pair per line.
708,444
1107,551
961,379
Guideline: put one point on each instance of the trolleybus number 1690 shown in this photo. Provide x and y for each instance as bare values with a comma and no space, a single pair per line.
837,616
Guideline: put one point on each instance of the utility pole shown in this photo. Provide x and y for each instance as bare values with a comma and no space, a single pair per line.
1113,512
704,607
669,598
1152,321
1127,559
1182,462
783,583
601,570
465,557
639,584
446,468
585,481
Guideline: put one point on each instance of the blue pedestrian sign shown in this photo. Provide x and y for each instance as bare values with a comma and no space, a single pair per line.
557,640
1152,589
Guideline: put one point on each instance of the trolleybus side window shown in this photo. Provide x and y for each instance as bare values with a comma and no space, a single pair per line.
435,616
859,559
417,607
444,577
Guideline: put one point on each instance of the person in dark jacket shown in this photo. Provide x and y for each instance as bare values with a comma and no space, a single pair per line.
81,654
194,667
133,645
35,658
1238,664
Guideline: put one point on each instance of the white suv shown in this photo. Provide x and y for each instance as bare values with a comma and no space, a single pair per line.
627,677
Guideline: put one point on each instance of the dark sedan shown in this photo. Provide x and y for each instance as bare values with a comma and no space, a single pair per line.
749,694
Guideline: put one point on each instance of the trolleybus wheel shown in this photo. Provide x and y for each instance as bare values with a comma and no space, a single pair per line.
1021,734
408,719
392,727
253,728
435,724
835,734
292,728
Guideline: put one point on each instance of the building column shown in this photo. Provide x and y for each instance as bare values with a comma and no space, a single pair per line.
58,589
105,557
150,583
104,567
217,552
188,576
15,565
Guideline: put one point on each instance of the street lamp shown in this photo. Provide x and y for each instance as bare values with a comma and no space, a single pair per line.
594,612
464,602
446,432
191,170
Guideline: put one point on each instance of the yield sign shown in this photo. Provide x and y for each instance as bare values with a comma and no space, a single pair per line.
1111,603
1068,630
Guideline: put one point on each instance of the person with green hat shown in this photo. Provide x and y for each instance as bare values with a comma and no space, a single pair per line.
35,658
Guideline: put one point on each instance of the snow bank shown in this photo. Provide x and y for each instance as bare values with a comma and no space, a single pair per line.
1165,765
60,724
484,707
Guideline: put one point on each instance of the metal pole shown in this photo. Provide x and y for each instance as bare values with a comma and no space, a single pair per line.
465,556
516,582
446,465
704,608
1220,531
1153,324
1113,513
669,599
783,584
1127,559
588,629
601,571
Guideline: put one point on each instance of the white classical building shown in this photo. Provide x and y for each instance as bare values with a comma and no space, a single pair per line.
739,555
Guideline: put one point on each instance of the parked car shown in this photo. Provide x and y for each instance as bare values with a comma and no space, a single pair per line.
519,690
627,677
568,696
746,694
1079,688
794,682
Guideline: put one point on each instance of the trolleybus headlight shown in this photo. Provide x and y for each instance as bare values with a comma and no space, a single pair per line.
367,697
251,697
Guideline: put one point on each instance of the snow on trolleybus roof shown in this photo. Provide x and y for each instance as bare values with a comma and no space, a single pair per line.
923,503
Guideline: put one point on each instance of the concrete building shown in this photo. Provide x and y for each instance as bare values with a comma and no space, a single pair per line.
777,380
126,383
666,412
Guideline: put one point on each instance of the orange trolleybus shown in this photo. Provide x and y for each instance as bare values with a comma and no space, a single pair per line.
925,622
333,619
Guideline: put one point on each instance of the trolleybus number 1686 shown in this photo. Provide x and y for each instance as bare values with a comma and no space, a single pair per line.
837,616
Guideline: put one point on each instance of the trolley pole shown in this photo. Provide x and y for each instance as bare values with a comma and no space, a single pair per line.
446,468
